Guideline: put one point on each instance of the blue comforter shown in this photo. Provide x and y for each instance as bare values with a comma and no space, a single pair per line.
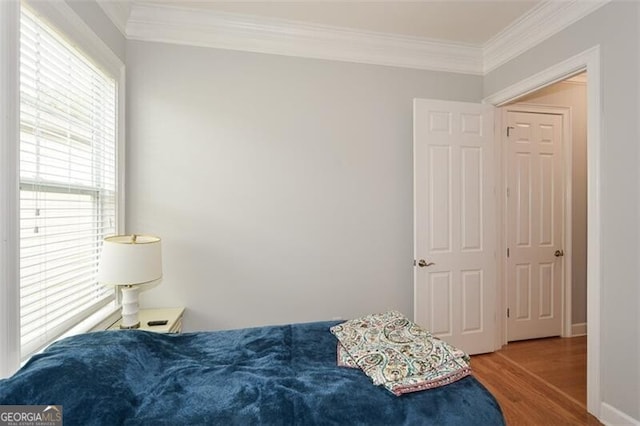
279,375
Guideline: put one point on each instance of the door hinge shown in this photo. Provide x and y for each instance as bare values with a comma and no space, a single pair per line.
507,312
509,128
507,251
508,192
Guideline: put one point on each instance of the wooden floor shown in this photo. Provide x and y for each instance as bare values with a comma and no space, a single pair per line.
538,382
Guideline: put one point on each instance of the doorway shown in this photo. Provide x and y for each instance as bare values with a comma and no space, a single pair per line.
589,61
440,120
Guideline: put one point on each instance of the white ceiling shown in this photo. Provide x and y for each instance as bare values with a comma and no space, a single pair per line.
462,21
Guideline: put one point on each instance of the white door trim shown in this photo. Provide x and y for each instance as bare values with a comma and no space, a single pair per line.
588,60
567,147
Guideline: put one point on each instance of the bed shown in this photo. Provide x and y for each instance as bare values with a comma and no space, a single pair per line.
275,375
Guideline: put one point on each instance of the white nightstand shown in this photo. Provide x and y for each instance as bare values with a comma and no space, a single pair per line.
172,315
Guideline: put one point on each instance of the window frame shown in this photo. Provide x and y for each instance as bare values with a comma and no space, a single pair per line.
9,198
75,31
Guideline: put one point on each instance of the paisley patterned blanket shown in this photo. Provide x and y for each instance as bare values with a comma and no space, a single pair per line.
279,375
398,354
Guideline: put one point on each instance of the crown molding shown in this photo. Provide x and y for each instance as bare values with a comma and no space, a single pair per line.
208,28
117,11
291,38
538,24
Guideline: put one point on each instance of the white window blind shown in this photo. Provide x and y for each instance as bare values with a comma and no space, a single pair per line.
67,183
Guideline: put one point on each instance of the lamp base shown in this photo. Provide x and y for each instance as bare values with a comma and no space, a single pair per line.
130,308
130,327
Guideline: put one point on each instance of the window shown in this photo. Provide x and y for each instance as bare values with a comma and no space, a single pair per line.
68,182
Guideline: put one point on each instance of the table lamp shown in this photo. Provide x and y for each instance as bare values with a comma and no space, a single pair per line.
129,261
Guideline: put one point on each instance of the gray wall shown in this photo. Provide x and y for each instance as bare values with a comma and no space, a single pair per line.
282,187
574,95
615,28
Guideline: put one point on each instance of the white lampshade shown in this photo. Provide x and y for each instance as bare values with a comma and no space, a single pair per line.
130,260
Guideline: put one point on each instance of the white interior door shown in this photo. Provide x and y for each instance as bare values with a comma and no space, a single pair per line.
535,226
455,238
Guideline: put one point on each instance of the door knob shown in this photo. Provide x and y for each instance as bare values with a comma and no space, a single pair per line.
559,253
423,263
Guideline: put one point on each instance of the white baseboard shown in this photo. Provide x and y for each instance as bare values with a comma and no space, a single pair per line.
579,329
611,416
